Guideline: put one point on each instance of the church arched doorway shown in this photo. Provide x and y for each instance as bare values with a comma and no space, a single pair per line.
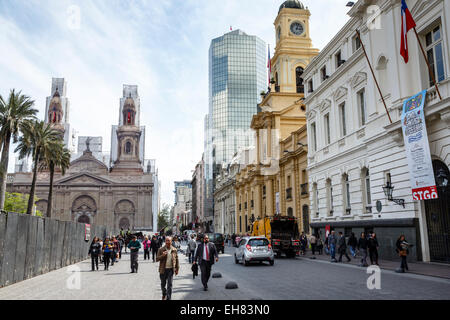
83,207
84,219
124,224
438,215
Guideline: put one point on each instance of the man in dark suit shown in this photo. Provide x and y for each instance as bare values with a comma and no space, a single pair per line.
204,256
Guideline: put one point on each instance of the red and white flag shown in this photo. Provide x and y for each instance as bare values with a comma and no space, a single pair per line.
407,24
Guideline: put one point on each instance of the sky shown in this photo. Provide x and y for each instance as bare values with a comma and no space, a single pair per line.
159,45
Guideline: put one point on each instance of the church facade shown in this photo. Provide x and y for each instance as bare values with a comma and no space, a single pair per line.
117,196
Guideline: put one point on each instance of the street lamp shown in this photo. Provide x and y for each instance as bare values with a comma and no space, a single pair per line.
388,190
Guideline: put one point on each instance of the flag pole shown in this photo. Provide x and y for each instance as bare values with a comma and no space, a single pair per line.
373,74
428,64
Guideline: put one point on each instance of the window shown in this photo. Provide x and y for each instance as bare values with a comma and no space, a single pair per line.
367,199
339,60
128,147
327,128
299,80
323,73
316,199
346,195
362,107
329,189
314,136
310,86
342,119
433,40
356,43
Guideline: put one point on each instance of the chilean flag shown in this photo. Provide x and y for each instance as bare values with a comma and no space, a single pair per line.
407,24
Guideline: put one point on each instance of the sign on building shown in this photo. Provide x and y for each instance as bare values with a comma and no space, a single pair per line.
417,148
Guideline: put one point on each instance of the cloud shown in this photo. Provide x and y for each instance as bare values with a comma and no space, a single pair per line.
161,46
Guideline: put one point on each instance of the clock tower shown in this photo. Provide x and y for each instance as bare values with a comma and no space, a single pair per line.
294,49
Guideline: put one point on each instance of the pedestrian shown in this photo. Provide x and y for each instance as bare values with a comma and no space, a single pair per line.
326,246
192,245
363,244
342,247
313,243
154,245
332,240
94,251
121,244
101,251
107,250
205,258
147,246
303,243
233,239
352,243
402,248
134,247
168,266
116,249
373,249
319,245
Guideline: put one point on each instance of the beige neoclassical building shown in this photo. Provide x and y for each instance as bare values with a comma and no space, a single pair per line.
117,195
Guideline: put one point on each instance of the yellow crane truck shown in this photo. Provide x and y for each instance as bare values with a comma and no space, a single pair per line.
282,233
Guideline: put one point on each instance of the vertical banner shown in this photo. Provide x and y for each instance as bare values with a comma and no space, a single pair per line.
417,148
87,232
327,230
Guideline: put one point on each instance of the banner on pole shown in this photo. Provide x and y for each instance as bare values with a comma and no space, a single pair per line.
417,148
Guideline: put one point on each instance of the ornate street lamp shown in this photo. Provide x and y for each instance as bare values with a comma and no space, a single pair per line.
388,190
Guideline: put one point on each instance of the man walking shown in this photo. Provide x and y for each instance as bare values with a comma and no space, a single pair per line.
373,248
363,243
205,254
342,249
192,245
168,265
332,245
134,247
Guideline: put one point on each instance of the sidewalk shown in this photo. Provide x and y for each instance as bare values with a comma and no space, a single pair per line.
422,268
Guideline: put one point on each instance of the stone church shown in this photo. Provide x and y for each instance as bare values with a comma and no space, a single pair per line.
118,194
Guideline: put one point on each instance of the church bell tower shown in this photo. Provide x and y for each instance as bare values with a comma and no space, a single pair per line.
128,137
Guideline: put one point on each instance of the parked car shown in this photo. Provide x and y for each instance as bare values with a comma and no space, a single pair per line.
218,240
254,249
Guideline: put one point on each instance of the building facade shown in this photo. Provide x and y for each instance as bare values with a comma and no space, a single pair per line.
262,186
183,204
90,191
198,192
353,148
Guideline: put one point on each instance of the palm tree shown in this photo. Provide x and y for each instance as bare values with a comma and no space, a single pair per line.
36,139
55,156
14,113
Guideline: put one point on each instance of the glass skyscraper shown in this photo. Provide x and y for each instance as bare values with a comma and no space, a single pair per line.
237,75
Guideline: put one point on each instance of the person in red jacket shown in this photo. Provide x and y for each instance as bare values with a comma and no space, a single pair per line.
147,244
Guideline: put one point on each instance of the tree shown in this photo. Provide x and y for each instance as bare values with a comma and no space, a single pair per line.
17,202
164,217
55,156
37,137
14,113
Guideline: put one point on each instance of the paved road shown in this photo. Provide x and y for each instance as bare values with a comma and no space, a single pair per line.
288,279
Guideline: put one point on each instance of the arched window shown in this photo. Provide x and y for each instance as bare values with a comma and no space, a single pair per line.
299,80
128,147
128,115
367,198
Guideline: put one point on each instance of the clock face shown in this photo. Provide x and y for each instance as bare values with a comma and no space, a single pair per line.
297,28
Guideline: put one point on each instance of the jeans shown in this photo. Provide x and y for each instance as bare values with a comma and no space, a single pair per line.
373,256
154,252
364,257
146,254
343,252
353,251
106,257
134,261
333,251
403,264
313,248
191,256
94,259
166,280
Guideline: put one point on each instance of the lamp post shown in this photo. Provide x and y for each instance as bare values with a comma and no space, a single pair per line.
388,190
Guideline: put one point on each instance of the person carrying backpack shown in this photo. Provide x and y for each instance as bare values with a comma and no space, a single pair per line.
94,251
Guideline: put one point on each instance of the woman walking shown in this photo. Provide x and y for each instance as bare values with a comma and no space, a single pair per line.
363,244
402,248
147,245
107,251
154,246
94,251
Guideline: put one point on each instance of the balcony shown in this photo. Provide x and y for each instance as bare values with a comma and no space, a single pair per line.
289,194
304,189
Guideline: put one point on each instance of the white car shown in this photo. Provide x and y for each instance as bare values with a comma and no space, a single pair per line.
254,249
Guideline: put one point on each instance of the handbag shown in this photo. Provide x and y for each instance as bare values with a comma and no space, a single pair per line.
403,253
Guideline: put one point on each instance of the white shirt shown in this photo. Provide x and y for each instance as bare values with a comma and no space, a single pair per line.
204,252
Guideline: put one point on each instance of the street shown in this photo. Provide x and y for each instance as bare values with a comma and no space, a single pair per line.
288,279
